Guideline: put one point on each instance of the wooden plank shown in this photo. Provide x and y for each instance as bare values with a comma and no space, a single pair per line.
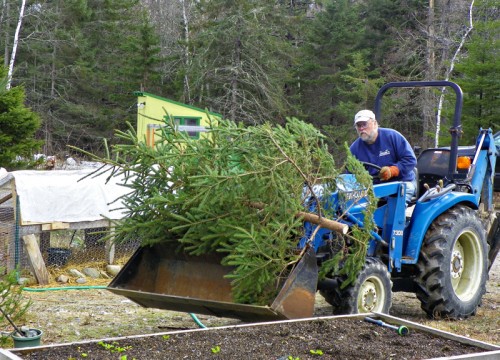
57,225
36,228
36,259
5,198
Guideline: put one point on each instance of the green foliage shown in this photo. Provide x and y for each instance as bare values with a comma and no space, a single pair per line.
477,73
346,262
80,66
203,194
316,352
18,125
236,191
114,347
331,39
12,301
241,59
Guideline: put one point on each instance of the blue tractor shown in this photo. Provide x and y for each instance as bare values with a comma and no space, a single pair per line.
441,246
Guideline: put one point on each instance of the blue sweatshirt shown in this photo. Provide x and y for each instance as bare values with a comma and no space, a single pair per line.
389,149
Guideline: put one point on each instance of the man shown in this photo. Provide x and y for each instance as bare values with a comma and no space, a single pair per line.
386,148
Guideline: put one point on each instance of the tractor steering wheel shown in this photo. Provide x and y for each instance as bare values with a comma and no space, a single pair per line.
368,165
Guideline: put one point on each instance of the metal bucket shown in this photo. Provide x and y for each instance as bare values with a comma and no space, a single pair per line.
158,277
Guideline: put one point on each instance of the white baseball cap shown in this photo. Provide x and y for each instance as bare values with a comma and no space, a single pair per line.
364,115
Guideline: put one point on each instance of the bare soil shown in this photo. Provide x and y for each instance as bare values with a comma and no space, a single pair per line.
67,316
321,338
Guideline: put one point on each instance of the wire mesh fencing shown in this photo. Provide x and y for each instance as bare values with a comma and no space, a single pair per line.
58,248
7,233
76,244
82,246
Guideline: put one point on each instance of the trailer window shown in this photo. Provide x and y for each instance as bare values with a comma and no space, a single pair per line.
189,121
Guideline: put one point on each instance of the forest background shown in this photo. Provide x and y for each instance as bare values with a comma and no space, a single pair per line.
75,64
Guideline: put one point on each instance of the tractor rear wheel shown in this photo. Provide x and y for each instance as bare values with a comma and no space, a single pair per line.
453,265
371,292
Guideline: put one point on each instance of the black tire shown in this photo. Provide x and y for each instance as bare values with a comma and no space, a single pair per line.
493,240
453,265
371,292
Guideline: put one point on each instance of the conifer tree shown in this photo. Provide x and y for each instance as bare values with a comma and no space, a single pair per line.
81,65
240,191
331,41
18,125
240,59
478,72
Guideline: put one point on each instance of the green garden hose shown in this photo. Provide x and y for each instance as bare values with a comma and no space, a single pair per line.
65,288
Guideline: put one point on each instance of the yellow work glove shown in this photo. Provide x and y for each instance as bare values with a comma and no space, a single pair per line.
388,172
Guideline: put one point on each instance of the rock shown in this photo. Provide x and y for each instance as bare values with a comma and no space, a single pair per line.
81,280
92,272
24,281
76,273
113,269
62,279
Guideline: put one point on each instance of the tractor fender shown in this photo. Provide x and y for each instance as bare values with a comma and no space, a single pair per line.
425,213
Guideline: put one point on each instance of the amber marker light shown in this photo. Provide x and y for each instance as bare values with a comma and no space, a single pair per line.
463,162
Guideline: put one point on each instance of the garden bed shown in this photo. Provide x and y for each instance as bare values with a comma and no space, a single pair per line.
332,337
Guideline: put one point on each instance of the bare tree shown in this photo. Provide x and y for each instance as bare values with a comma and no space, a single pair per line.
449,71
165,15
430,73
187,55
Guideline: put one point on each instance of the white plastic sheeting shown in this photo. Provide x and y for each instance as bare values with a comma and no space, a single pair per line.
68,196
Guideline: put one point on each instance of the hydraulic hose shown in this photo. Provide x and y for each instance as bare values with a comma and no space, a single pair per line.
89,287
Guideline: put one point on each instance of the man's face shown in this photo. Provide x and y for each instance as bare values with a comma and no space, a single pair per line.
367,130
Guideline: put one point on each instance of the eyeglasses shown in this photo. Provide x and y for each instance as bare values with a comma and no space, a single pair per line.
361,124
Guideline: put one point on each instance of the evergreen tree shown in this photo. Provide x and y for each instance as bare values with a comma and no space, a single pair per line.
240,60
82,63
332,38
355,90
18,125
478,73
240,192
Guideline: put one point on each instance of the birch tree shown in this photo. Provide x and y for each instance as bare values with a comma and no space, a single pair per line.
187,54
14,45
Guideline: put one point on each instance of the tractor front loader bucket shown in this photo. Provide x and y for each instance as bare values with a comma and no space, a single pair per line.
157,277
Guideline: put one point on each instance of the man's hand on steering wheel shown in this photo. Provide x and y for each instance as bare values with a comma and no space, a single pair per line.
388,172
384,173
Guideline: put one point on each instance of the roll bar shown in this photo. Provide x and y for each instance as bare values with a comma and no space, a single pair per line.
455,130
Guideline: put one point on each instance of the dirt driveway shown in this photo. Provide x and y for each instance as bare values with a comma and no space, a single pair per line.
75,315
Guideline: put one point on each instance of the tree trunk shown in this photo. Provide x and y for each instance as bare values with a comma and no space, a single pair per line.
430,74
5,12
234,80
187,55
14,45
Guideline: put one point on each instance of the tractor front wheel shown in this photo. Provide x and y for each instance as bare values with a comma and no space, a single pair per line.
371,292
453,265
